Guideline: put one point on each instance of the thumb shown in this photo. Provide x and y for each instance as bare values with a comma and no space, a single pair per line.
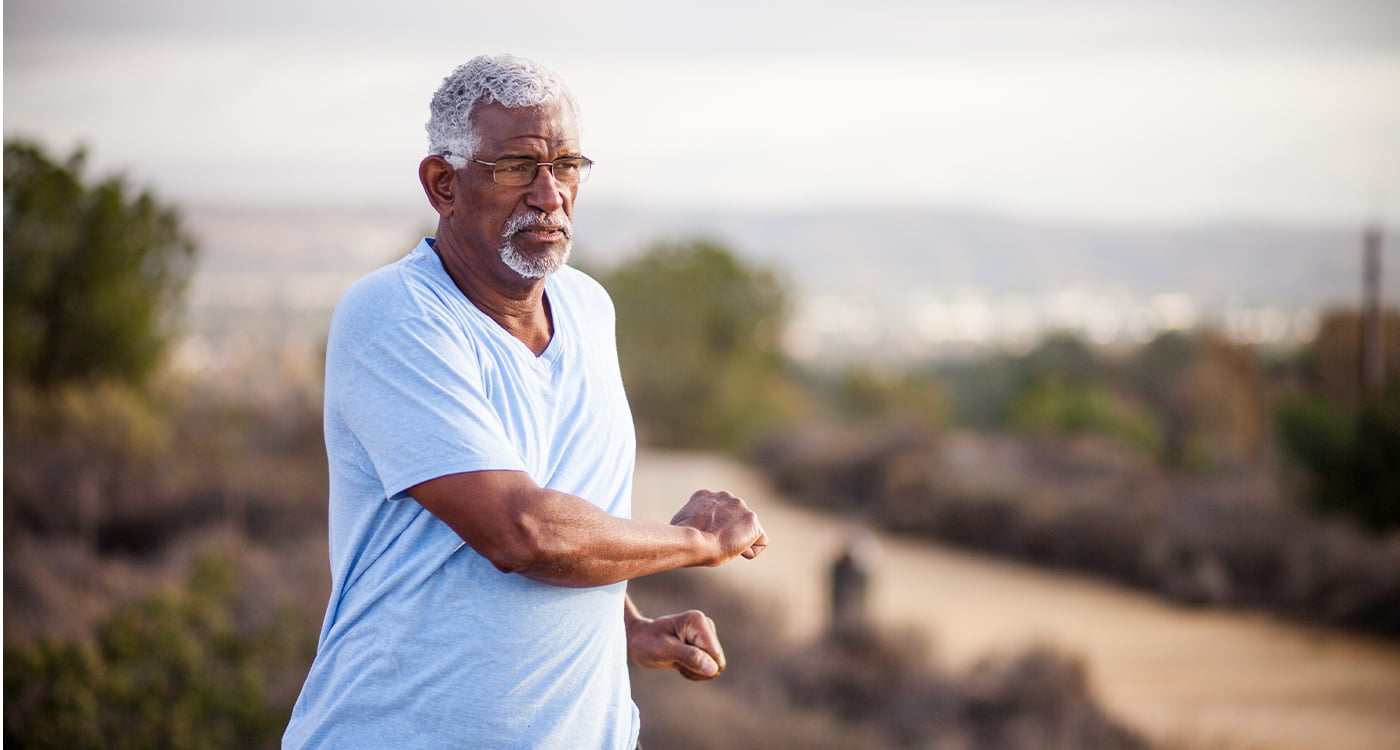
702,663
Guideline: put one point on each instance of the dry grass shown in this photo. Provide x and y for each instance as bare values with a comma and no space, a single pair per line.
860,690
111,498
1227,538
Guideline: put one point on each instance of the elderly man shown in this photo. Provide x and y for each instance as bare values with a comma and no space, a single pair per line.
481,453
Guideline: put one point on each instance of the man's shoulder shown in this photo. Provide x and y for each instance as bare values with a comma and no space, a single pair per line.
406,282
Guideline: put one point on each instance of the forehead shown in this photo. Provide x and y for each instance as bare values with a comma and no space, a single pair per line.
550,127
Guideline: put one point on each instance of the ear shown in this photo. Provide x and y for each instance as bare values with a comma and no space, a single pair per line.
439,183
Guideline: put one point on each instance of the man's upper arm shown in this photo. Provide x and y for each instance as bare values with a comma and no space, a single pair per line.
481,506
413,396
543,534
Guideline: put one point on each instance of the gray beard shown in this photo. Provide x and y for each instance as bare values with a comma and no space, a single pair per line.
539,266
536,267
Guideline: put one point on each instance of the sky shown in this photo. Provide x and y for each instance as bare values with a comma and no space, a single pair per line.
1126,112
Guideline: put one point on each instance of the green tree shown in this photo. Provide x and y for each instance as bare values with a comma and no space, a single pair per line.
1065,356
92,273
863,393
986,392
1331,364
1057,405
1348,455
1209,394
699,337
1345,439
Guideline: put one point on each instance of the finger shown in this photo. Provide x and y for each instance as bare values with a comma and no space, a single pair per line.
692,675
698,665
700,632
759,544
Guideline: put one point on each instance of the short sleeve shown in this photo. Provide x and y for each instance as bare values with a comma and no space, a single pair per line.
411,393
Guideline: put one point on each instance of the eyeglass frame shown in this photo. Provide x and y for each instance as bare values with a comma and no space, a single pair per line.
586,166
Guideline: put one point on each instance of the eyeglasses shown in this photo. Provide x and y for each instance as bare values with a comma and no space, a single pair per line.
517,171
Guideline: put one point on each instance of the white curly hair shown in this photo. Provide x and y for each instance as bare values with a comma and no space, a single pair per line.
506,79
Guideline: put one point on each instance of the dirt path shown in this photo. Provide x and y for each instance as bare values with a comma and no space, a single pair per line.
1220,680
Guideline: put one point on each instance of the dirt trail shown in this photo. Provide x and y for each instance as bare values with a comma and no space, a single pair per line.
1220,679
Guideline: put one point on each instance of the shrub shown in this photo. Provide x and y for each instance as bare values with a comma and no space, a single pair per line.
1349,455
1053,406
860,690
1224,539
106,464
172,669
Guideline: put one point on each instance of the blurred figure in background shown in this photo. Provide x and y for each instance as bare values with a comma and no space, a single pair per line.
481,454
851,572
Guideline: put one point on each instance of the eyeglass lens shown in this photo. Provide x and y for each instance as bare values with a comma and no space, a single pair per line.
517,172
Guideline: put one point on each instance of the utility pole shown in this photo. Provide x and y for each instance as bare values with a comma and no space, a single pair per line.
1372,335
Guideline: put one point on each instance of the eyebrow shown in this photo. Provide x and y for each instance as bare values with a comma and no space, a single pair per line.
532,159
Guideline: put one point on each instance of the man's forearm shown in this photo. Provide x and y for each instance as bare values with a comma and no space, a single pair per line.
567,541
556,538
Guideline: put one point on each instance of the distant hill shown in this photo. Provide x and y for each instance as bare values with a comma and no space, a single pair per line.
918,281
893,252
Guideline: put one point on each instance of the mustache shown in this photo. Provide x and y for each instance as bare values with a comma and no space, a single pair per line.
530,219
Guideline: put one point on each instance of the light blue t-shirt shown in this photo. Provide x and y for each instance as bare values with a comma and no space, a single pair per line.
425,644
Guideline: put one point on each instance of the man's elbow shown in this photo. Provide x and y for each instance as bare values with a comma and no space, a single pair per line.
525,547
553,570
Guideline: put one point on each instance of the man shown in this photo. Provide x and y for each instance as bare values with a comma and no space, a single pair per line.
481,453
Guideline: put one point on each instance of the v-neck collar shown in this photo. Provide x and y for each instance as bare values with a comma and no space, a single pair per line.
552,351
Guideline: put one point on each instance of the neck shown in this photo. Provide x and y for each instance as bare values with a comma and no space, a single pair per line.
517,304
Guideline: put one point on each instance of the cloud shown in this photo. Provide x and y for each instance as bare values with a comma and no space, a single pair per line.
727,27
1126,111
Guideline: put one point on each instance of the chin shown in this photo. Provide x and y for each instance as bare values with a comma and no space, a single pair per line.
536,266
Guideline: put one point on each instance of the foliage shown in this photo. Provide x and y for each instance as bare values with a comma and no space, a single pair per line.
913,398
879,688
1082,503
1331,363
1054,405
984,390
699,337
1062,387
91,273
1209,396
170,670
104,497
1349,454
1344,438
1064,355
980,389
1193,399
103,464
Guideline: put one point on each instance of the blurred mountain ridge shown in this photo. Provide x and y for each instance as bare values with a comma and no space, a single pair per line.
909,251
853,251
857,277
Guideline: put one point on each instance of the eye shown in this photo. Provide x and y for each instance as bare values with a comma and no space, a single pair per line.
516,166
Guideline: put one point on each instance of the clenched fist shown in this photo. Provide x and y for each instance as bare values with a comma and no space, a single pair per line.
725,519
686,642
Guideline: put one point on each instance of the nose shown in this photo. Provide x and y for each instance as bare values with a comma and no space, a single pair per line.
546,193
